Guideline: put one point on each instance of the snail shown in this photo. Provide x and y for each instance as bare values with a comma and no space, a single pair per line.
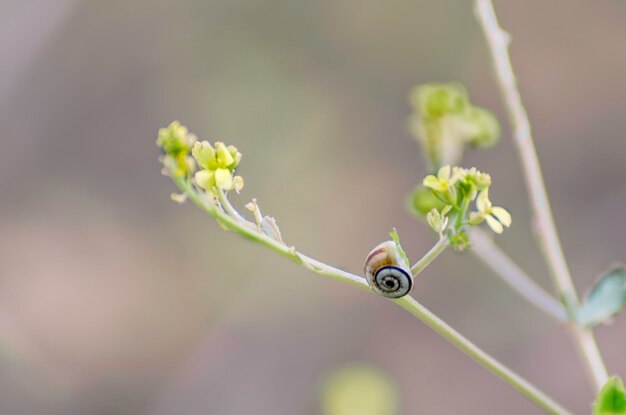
386,271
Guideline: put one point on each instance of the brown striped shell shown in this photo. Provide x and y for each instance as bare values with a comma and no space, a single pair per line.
386,272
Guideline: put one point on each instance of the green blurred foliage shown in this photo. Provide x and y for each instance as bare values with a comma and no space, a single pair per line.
612,398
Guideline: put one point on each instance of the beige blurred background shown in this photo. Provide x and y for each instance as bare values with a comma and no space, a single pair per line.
115,300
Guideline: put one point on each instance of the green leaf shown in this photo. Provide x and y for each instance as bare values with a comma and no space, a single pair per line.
607,297
396,238
612,398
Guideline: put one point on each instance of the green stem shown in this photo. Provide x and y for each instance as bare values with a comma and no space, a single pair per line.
430,256
250,231
498,42
462,211
246,228
487,251
473,351
228,207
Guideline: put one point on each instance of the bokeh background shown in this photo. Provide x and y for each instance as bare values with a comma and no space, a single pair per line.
115,300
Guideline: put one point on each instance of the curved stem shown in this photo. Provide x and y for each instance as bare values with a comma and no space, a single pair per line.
408,303
221,195
498,41
430,256
492,256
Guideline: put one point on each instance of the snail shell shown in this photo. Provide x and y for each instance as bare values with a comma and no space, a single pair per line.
386,272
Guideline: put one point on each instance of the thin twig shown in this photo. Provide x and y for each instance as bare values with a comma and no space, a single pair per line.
228,207
488,252
498,41
430,256
519,383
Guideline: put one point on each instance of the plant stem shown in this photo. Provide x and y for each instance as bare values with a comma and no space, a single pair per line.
498,41
492,256
246,228
430,256
462,212
473,351
227,206
249,230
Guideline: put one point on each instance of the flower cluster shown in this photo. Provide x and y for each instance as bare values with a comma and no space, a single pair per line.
215,164
444,121
175,141
454,189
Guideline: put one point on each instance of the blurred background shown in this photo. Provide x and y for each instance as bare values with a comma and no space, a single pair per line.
116,300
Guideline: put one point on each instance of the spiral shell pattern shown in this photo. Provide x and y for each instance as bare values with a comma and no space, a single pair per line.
386,272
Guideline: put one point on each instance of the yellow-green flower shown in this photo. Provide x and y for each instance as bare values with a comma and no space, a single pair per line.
472,177
204,153
217,164
470,181
438,221
495,216
175,139
178,165
441,182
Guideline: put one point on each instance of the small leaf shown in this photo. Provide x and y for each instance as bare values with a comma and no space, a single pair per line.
607,297
396,238
612,398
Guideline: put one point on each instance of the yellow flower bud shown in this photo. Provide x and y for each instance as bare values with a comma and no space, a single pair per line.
238,183
235,154
175,139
